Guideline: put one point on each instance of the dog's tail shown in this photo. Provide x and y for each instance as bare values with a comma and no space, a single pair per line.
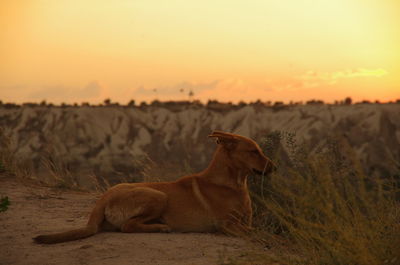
93,226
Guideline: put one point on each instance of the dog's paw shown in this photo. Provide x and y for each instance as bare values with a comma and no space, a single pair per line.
165,229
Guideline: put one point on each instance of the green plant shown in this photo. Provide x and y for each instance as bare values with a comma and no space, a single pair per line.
322,209
4,203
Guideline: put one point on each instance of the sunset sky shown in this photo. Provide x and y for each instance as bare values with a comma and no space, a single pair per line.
229,50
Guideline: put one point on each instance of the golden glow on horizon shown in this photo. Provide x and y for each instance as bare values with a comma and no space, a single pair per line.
75,51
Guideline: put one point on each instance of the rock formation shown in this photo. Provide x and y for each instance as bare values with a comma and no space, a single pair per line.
117,142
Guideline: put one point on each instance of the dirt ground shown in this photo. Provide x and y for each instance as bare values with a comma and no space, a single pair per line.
36,209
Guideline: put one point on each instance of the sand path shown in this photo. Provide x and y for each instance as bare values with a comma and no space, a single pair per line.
36,209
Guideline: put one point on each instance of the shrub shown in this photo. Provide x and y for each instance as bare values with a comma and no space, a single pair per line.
320,208
4,203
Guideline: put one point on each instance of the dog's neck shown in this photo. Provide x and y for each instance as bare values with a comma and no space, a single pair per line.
222,171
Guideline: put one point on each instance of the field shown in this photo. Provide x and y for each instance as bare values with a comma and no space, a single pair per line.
333,200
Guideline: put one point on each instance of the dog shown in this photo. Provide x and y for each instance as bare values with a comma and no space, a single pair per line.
214,200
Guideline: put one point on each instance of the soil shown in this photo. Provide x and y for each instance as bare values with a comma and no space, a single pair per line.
37,209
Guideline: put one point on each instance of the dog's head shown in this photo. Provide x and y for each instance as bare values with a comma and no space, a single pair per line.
244,152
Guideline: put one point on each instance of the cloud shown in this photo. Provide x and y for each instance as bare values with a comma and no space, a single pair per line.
360,73
237,89
313,78
60,93
180,90
13,93
280,87
230,89
91,90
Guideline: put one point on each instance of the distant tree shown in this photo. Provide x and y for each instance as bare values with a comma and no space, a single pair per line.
257,102
278,105
197,102
107,101
85,104
156,103
242,104
43,103
211,102
1,102
348,101
76,104
377,102
315,102
131,103
10,105
29,104
398,101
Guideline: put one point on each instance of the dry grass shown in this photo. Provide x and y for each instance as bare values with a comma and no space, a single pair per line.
319,208
8,162
151,171
322,209
56,173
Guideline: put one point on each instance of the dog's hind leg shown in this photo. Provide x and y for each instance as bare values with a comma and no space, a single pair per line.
137,210
138,225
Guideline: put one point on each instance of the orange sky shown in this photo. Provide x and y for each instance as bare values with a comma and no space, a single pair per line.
229,50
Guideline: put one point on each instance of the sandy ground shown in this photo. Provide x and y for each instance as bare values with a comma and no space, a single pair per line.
36,209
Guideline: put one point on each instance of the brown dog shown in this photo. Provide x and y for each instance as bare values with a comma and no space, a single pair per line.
216,199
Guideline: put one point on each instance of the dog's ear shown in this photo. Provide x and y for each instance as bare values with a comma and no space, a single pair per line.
222,134
228,140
